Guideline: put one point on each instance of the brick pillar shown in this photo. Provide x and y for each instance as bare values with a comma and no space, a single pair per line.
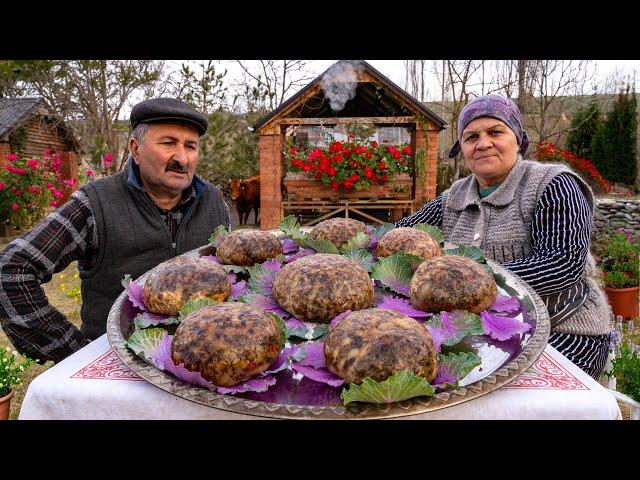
426,141
432,164
5,149
270,180
69,169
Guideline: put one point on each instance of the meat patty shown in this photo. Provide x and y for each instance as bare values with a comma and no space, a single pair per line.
318,287
181,279
379,343
337,230
451,282
410,240
247,247
227,343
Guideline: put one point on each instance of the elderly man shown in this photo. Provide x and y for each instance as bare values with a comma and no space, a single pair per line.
154,209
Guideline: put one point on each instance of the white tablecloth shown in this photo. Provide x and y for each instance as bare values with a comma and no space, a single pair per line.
94,384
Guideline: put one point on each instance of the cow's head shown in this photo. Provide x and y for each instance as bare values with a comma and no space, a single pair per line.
235,188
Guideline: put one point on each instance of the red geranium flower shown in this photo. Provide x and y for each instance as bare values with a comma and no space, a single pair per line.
352,163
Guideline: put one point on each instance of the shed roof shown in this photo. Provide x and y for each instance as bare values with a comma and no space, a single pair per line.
14,112
367,97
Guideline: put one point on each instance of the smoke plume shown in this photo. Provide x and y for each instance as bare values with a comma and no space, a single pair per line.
339,83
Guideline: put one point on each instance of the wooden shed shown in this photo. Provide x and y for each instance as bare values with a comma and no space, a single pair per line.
28,126
372,99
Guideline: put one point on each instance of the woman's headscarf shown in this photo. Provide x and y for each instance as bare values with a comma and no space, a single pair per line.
494,106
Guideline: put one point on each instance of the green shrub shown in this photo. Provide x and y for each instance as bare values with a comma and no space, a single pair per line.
613,148
584,125
626,370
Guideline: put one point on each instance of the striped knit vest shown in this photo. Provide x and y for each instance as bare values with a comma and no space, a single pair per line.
500,225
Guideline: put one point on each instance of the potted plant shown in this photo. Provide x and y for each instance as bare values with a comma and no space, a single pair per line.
10,373
620,264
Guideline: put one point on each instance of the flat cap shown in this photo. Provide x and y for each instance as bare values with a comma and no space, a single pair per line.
167,110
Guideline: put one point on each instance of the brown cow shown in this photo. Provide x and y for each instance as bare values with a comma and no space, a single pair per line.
246,194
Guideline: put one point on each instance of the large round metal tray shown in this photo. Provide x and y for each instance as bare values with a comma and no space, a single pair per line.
501,363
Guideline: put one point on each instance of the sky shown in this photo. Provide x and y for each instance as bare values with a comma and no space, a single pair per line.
395,71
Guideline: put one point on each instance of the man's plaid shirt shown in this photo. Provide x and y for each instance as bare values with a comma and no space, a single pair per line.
35,327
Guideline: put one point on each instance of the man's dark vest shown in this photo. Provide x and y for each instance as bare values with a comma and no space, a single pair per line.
134,238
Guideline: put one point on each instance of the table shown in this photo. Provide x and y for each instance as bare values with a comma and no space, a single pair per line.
94,384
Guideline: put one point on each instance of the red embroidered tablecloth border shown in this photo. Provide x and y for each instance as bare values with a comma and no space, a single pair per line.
545,374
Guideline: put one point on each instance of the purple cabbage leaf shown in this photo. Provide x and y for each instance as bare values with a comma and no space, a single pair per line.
363,257
314,354
394,272
304,252
455,325
146,344
360,240
308,331
403,306
193,305
260,384
287,355
378,232
290,226
322,375
290,390
505,304
432,230
147,319
238,289
400,386
267,304
261,280
502,328
134,292
218,234
312,365
320,246
289,246
453,367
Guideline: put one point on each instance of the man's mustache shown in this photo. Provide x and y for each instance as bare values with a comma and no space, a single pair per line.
176,167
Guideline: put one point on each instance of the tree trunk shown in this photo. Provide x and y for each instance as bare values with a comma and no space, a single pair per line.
522,91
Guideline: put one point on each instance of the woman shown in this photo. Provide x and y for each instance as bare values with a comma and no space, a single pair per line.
533,218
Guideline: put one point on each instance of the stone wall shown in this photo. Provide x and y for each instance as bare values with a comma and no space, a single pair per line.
616,213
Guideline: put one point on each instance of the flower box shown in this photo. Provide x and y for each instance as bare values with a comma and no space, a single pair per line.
299,186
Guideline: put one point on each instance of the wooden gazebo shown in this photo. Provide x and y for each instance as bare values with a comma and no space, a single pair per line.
377,101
